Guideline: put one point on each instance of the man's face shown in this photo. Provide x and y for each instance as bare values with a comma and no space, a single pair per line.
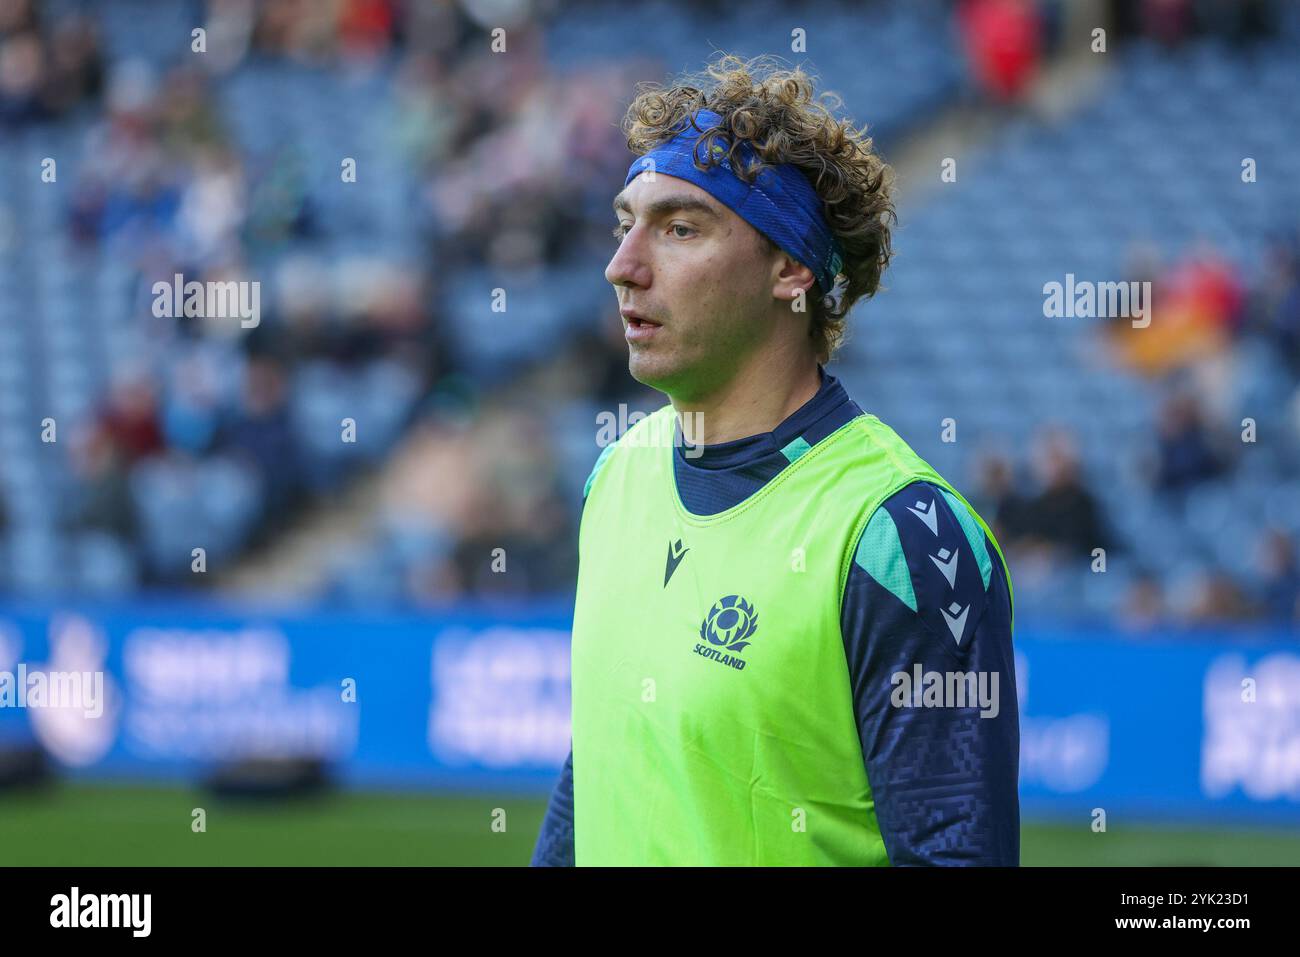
702,273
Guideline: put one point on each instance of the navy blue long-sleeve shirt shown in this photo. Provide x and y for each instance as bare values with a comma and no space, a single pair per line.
926,588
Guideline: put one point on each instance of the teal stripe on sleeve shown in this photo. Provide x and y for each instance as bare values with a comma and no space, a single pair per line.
974,535
880,555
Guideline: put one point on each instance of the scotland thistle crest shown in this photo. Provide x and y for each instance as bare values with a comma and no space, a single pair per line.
730,623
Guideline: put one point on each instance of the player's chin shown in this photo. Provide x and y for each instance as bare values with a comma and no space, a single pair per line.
650,369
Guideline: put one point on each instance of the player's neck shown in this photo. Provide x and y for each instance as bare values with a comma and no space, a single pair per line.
759,397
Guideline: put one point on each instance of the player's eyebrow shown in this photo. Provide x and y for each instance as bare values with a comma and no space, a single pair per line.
669,204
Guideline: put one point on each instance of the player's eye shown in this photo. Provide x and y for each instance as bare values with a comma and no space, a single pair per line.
622,228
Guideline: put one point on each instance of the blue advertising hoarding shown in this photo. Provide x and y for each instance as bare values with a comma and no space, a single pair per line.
462,699
1191,726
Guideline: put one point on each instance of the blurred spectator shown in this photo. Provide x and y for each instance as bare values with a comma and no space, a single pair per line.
597,360
494,524
1194,310
102,500
45,72
1064,516
523,514
22,68
1009,510
192,400
1002,42
1172,22
259,429
1277,303
1218,599
1144,606
1185,454
130,420
76,70
1280,577
320,32
1168,21
133,183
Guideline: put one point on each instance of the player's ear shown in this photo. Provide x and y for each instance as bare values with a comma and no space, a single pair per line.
790,278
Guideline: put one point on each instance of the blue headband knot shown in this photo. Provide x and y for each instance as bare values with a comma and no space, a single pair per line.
780,203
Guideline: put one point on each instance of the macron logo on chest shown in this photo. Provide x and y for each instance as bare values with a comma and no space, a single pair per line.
676,552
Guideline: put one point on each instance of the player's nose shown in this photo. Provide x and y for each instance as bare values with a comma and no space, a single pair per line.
629,265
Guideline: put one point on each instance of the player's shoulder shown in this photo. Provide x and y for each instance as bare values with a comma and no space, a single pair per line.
872,447
874,432
927,548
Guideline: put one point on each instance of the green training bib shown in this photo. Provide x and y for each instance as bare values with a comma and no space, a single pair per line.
713,716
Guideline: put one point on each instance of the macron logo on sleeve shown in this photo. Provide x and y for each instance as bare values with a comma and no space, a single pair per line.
946,561
925,512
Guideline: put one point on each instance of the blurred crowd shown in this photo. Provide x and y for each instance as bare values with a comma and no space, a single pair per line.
1214,334
499,149
1006,42
503,154
46,69
1210,338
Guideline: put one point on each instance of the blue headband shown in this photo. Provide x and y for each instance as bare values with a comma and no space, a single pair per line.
781,204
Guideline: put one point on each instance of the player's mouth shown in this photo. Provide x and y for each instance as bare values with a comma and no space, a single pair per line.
639,328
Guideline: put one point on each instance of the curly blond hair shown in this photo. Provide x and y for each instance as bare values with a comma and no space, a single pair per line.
775,112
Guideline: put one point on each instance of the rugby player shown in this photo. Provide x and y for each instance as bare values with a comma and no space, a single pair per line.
779,631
